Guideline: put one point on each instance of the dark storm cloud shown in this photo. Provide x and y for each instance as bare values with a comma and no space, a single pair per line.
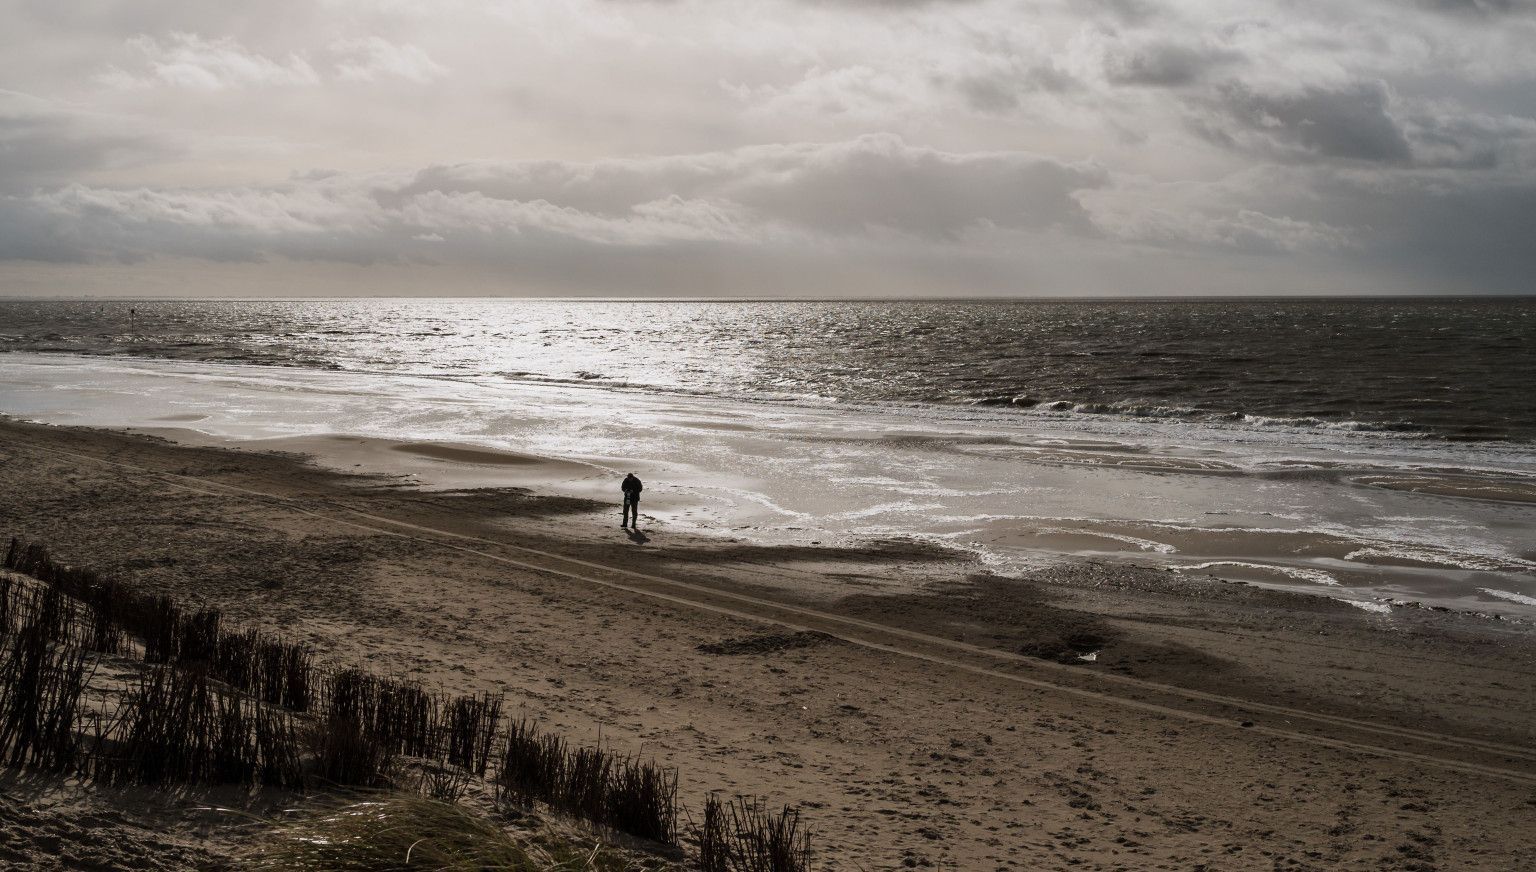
1436,232
1359,123
1348,122
1471,141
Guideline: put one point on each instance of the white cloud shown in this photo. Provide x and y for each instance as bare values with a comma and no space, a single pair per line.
192,61
187,60
858,93
373,58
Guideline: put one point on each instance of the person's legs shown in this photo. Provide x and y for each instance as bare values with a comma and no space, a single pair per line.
631,511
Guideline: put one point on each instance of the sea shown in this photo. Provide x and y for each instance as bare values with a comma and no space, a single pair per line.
1442,369
1382,451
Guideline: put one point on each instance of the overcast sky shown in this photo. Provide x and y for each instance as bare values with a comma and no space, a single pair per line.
767,147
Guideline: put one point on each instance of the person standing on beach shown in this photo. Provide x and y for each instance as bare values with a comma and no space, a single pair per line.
632,488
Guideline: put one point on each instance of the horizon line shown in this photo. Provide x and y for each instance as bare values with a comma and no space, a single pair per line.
1085,298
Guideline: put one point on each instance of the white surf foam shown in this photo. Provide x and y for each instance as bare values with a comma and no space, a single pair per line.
1316,576
1511,596
1431,556
1143,544
1372,606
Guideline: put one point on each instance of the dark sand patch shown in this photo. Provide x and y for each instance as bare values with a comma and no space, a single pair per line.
1032,617
986,610
502,502
1070,648
767,643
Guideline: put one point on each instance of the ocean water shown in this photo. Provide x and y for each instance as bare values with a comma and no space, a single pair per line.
1449,370
1378,452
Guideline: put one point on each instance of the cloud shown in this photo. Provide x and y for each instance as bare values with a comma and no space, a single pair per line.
949,141
1482,8
187,60
857,93
42,142
1166,64
873,190
1241,229
194,62
867,206
1247,212
883,182
1360,123
373,58
1448,136
1446,229
845,188
1349,122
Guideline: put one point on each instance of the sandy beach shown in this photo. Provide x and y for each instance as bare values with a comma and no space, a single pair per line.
923,710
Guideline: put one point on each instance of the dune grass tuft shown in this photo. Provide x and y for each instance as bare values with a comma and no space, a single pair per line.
745,835
626,794
406,831
41,685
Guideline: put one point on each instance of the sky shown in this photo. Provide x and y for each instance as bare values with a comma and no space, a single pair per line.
767,148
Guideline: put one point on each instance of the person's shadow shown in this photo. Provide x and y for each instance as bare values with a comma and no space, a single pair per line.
637,537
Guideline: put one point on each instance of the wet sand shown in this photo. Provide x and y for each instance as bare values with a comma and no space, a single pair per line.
941,715
1463,487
